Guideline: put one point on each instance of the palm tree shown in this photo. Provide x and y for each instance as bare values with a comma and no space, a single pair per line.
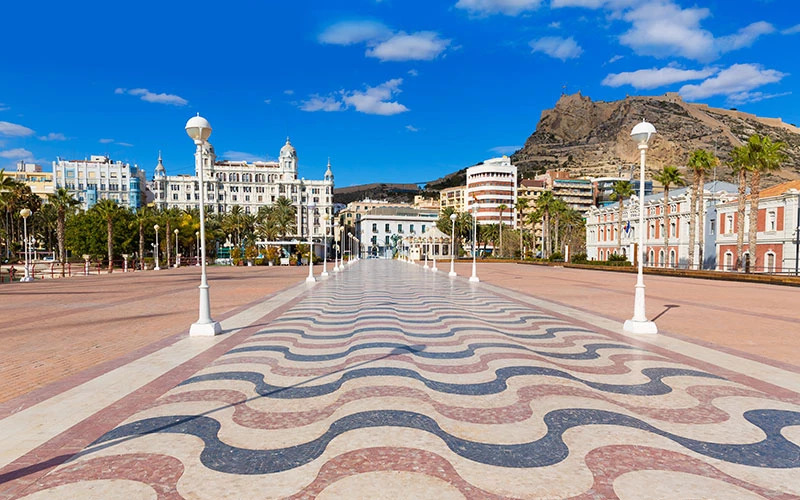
7,185
142,217
502,208
668,176
285,216
767,156
544,207
558,210
108,210
621,191
741,163
63,201
700,162
522,205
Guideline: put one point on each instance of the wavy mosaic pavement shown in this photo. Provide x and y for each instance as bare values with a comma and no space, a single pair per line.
386,380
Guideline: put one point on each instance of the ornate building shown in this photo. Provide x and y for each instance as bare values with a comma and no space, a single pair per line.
248,185
98,178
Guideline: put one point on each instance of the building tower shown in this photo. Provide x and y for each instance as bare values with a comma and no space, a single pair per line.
288,161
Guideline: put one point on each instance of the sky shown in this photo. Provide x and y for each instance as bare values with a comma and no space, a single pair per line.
389,90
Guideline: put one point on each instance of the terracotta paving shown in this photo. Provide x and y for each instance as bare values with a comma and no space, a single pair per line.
56,328
389,381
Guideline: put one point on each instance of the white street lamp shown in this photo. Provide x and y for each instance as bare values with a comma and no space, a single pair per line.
641,134
336,246
197,237
25,213
155,250
433,254
474,277
326,218
310,278
453,218
199,130
425,246
177,256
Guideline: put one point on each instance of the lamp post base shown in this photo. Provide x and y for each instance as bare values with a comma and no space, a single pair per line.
311,279
474,279
452,274
646,327
205,329
156,268
324,273
26,279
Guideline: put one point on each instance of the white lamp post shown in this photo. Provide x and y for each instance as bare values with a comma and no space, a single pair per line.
336,246
310,278
639,324
453,218
177,255
326,218
426,246
25,213
199,130
197,237
433,254
474,277
155,249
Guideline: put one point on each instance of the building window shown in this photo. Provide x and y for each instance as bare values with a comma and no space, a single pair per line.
400,228
386,241
771,222
711,226
386,229
770,262
374,227
729,224
411,229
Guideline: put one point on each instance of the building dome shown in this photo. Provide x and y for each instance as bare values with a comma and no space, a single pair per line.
288,149
160,170
329,172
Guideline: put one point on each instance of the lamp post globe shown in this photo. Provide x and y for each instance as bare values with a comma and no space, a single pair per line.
310,278
155,250
199,130
453,218
25,213
641,135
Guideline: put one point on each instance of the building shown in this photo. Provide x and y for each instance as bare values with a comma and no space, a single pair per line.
249,186
604,186
531,190
453,198
490,185
31,174
778,222
382,229
602,227
578,194
355,210
101,178
423,203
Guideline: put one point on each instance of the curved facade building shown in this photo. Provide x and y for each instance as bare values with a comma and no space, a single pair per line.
490,185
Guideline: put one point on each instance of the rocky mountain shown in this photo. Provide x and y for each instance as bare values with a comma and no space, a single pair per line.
593,138
376,191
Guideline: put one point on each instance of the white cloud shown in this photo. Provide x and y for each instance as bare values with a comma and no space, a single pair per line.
421,46
352,32
53,136
615,59
557,47
242,156
745,37
120,90
555,25
148,96
737,79
126,144
506,7
747,97
288,92
3,107
656,77
17,154
14,130
589,4
413,72
375,100
316,102
106,141
372,101
412,128
505,150
267,101
791,31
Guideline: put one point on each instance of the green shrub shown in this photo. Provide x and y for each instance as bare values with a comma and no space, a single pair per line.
556,257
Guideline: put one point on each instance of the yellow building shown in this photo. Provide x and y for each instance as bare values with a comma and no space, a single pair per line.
41,183
453,197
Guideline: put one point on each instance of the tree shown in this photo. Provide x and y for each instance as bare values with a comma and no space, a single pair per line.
544,207
621,191
523,204
668,176
285,216
108,210
767,157
700,162
741,163
558,210
502,208
142,218
64,202
7,185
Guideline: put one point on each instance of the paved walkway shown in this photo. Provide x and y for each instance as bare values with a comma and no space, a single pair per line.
387,381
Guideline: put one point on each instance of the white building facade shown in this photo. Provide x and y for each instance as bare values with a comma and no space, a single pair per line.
98,178
382,230
490,185
602,228
249,186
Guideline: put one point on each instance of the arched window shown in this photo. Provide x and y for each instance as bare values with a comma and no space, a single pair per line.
661,256
651,258
672,258
770,262
728,264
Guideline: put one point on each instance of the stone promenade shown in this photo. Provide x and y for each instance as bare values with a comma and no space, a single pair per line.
390,381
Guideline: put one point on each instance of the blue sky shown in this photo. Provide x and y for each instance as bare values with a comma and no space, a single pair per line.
391,90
